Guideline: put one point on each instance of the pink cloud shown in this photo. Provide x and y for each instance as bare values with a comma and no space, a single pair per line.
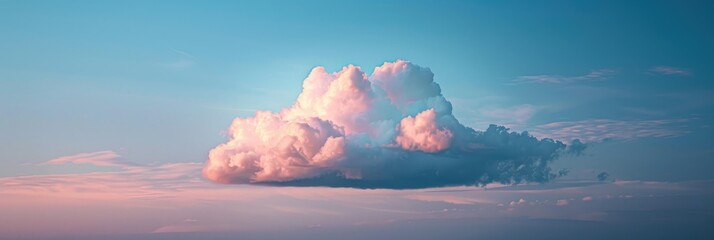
342,98
519,202
270,147
350,127
100,158
451,199
170,197
404,84
421,133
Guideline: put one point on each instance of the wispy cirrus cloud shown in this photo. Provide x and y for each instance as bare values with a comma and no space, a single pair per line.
450,199
669,70
99,158
184,60
597,130
554,79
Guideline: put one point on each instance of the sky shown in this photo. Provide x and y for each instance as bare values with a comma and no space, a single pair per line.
362,119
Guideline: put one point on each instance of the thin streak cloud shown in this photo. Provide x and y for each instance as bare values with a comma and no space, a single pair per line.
598,130
669,70
597,74
100,158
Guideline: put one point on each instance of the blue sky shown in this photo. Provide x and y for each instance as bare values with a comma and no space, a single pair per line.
160,82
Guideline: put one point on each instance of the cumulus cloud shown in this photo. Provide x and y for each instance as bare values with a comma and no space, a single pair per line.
390,129
421,133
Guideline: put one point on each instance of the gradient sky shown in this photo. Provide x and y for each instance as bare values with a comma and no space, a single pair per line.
108,111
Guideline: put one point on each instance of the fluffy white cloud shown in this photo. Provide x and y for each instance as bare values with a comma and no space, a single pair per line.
392,129
420,133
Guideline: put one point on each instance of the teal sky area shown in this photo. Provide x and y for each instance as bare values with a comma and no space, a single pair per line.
159,82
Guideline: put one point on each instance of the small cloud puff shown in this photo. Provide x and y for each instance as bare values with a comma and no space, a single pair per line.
603,176
421,133
519,202
393,129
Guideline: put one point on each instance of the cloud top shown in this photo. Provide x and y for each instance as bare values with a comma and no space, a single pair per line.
393,129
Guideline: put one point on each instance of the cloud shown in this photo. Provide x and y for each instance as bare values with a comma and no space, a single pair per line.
603,176
668,70
167,197
393,129
420,133
597,130
587,198
100,158
562,202
441,197
552,79
519,202
577,147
